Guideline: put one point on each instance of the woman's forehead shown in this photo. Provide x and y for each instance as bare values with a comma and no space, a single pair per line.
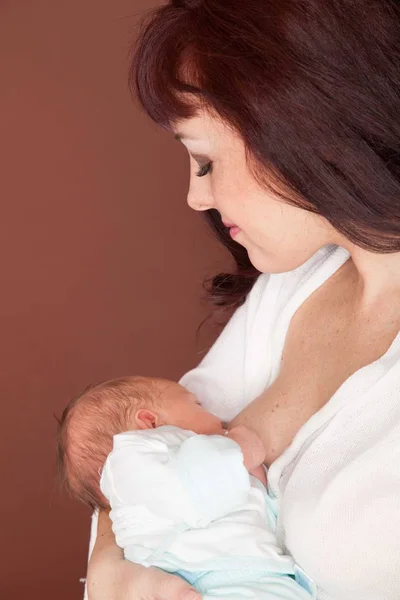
203,128
193,128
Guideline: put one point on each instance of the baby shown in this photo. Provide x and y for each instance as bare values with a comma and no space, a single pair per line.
186,495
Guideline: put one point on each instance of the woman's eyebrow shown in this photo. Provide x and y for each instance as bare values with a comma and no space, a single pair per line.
181,136
200,157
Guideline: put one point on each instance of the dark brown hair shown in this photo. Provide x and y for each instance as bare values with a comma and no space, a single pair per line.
313,88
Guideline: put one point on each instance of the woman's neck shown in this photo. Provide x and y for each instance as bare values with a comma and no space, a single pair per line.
376,277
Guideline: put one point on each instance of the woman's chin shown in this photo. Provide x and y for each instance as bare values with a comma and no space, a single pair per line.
274,263
263,261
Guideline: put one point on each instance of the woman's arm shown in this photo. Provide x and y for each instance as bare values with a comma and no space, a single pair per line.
110,577
105,553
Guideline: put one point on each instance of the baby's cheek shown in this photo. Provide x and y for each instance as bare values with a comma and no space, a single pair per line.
218,427
208,424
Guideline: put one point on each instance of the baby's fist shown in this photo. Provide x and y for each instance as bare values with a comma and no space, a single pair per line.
251,445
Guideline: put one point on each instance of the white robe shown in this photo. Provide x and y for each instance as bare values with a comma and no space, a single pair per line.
338,483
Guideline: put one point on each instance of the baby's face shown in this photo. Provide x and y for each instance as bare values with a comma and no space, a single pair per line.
183,409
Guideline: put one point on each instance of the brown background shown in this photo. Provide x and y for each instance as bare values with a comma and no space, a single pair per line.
101,261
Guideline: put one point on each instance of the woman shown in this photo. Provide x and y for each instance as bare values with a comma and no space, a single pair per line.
290,111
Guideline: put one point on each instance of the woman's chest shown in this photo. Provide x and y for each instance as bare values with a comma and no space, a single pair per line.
318,358
324,345
330,338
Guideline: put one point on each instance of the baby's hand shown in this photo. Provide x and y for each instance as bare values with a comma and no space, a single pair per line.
252,447
259,472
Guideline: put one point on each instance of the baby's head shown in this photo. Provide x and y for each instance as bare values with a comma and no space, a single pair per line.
88,424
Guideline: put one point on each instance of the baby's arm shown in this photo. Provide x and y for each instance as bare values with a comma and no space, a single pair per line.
253,450
200,479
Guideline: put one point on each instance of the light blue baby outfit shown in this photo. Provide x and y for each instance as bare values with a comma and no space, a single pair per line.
185,503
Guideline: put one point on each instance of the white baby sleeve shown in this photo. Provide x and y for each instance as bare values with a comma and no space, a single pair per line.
213,474
139,472
194,479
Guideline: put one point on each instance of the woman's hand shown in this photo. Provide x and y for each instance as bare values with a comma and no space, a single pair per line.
123,580
110,577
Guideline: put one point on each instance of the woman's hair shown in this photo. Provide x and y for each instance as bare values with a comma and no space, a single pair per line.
312,87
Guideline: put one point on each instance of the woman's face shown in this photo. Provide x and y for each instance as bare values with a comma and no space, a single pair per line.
277,236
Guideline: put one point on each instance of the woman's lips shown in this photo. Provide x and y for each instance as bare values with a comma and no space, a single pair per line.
233,229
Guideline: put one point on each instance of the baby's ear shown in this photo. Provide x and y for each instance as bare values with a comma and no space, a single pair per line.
146,419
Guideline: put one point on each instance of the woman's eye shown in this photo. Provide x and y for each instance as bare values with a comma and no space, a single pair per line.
204,170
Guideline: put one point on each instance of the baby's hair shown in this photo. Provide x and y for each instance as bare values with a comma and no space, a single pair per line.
87,427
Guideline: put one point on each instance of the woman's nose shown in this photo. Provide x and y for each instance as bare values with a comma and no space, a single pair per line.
199,199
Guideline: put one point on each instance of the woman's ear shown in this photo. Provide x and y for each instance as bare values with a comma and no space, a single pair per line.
146,419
